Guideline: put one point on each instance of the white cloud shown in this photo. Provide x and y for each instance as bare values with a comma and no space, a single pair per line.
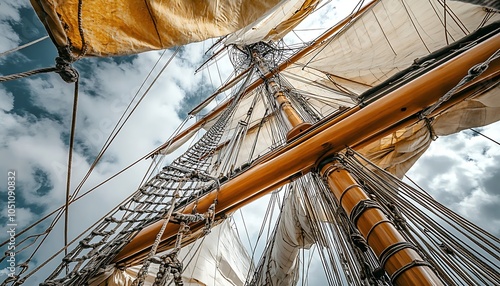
6,100
460,171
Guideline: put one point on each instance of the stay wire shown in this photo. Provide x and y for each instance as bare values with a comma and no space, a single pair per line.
70,159
69,199
489,138
60,211
113,134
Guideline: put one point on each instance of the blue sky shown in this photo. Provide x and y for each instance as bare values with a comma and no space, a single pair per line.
461,170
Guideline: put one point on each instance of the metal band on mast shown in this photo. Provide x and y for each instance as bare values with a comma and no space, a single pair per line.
398,257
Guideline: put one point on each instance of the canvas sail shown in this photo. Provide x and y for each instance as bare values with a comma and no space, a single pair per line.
318,85
275,25
111,28
114,28
333,76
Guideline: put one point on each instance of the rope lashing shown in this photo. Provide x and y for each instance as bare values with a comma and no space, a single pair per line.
414,263
63,68
473,73
360,207
391,250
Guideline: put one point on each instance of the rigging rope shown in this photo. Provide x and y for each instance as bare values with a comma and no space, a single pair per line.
143,208
63,68
74,198
489,138
460,251
26,74
473,73
70,161
119,125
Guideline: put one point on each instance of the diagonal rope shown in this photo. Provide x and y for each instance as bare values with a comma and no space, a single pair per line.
26,74
23,46
489,138
123,119
472,74
63,68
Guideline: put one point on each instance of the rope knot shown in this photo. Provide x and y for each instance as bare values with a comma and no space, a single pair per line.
478,69
65,70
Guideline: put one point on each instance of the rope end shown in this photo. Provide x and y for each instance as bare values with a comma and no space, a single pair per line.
67,72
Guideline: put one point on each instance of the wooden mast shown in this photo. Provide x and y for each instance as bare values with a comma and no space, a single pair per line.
397,256
217,110
285,107
281,166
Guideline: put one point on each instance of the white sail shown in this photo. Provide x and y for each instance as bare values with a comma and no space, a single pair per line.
388,38
293,231
217,259
274,25
332,77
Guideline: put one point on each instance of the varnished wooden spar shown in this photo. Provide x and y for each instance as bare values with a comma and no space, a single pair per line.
300,156
215,112
397,256
400,260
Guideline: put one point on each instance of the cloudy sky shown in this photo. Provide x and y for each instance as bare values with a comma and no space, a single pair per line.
461,170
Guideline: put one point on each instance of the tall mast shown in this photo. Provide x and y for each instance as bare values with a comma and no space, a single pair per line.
296,122
353,127
320,40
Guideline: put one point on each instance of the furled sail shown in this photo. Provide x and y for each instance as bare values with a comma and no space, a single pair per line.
109,28
274,25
